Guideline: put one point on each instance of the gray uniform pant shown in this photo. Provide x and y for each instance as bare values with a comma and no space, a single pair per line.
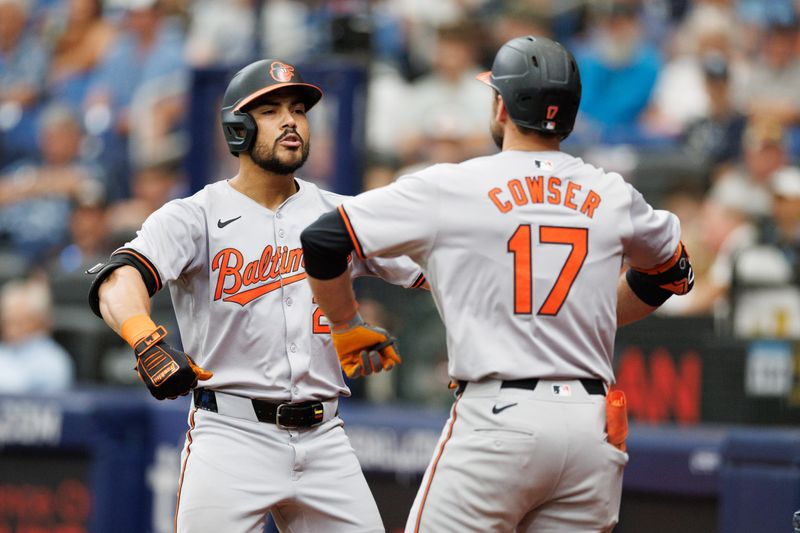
236,471
521,460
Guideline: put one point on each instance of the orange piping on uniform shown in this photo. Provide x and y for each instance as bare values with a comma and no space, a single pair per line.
433,468
183,466
356,244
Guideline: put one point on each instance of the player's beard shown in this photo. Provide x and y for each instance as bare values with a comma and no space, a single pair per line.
268,159
497,133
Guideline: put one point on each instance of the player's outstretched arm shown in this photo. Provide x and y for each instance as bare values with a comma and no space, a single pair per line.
122,295
629,307
362,349
124,304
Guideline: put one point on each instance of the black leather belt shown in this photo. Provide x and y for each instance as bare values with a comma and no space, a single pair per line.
286,415
592,386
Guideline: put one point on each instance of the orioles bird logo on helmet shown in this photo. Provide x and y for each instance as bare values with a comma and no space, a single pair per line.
281,71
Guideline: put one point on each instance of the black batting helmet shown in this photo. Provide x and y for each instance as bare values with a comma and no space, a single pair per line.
247,86
539,82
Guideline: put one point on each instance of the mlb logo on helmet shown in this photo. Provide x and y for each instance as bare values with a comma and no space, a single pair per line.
562,389
281,72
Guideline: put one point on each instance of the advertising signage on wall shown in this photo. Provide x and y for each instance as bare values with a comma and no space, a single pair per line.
682,371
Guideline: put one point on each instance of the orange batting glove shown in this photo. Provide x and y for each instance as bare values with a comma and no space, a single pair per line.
167,372
363,349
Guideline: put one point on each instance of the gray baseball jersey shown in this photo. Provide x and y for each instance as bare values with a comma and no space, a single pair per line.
238,285
522,251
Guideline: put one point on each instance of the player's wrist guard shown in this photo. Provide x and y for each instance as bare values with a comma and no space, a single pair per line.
167,372
363,349
656,285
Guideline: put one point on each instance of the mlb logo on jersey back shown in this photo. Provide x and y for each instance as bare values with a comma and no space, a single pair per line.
543,164
562,389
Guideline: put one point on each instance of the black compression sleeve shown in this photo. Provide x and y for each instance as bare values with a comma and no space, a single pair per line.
326,245
122,257
645,289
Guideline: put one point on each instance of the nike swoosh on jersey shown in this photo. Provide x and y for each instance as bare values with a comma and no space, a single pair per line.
496,410
221,224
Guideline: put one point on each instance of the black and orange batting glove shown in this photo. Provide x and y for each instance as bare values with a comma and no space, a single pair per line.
167,372
364,349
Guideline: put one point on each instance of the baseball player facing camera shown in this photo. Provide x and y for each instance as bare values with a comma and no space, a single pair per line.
264,432
522,251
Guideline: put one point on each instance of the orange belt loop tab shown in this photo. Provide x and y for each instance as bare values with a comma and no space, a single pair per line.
617,418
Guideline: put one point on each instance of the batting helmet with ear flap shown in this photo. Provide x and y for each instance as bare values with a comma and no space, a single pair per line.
248,86
539,82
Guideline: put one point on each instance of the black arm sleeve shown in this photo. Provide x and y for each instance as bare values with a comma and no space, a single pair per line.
326,245
655,286
645,289
122,257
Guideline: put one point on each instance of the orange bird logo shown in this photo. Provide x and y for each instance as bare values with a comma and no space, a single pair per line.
281,72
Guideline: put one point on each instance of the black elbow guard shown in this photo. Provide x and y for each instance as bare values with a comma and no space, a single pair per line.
122,257
656,285
326,245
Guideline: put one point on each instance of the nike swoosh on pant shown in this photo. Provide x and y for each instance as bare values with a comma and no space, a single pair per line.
496,410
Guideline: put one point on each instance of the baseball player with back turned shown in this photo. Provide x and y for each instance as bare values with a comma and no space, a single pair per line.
522,251
264,432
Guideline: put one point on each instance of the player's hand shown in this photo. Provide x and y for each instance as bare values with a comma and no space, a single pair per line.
167,372
364,349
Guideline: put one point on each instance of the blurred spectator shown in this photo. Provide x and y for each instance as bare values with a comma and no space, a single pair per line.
785,187
422,20
36,195
89,241
716,138
755,15
151,188
283,21
441,140
681,93
78,36
770,91
765,290
727,228
386,88
143,74
379,171
448,98
517,18
23,66
220,33
618,71
764,152
30,360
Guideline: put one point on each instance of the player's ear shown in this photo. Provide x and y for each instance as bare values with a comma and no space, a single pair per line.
500,111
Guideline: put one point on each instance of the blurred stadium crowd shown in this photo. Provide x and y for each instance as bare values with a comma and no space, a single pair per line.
696,102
